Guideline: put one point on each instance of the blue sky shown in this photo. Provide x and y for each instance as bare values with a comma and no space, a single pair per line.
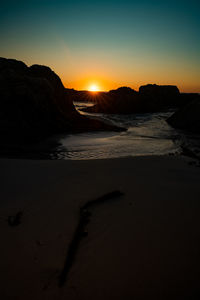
112,43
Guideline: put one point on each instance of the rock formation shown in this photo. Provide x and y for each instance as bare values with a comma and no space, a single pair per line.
34,104
157,97
122,100
188,117
150,98
85,96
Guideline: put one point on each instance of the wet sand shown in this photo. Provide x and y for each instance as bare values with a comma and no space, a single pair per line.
142,244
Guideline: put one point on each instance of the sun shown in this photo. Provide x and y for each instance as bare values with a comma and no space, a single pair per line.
93,88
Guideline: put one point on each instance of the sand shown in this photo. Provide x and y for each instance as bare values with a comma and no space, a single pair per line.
144,244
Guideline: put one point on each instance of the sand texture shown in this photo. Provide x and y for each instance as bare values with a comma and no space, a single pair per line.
140,238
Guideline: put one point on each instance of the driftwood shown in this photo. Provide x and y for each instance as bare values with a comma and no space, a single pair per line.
80,232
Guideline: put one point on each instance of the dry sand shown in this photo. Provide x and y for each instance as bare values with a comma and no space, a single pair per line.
145,244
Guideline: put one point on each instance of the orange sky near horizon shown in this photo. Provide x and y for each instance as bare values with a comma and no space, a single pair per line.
106,43
108,72
107,85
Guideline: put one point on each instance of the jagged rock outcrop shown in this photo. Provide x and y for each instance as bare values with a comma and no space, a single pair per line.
34,103
188,117
150,98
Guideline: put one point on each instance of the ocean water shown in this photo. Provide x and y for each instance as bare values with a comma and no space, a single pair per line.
147,134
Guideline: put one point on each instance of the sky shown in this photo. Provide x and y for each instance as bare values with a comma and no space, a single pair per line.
106,43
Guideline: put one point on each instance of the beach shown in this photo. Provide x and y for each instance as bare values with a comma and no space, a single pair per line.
100,150
141,243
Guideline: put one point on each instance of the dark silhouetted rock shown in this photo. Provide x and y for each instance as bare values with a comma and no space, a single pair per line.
150,98
158,97
188,117
34,104
122,100
186,98
85,96
159,91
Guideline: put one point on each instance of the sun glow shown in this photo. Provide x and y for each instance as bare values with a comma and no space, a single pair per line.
93,88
